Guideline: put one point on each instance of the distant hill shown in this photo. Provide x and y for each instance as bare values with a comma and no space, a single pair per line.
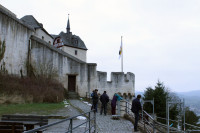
190,93
192,100
139,92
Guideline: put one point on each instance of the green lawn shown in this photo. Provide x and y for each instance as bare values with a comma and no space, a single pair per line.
34,108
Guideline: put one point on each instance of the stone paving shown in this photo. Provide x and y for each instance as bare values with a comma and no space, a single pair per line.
104,123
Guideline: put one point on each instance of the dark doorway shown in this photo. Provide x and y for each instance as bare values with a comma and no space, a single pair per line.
71,83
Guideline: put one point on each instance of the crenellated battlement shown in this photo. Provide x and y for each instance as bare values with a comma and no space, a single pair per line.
121,83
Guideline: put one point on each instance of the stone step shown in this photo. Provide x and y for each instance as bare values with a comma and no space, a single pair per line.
72,95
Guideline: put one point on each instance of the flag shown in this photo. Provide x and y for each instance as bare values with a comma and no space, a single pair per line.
120,50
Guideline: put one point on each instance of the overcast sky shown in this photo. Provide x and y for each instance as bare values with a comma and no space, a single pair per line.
161,38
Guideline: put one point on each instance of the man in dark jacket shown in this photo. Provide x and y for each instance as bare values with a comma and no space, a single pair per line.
95,99
136,107
104,100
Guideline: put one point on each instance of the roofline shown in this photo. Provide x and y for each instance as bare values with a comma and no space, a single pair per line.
56,49
40,27
3,11
45,31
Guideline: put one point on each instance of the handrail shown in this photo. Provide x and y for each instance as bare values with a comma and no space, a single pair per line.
55,123
149,126
177,121
154,124
148,115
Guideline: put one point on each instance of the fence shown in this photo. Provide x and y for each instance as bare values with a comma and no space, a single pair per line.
151,125
91,122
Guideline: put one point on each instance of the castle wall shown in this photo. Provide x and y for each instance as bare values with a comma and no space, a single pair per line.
46,58
40,33
16,36
23,47
81,54
120,82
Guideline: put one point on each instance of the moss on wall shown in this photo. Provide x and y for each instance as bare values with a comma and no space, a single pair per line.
2,49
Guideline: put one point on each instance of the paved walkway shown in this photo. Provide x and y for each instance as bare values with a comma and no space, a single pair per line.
104,123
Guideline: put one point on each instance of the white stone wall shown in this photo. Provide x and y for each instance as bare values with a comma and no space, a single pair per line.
16,37
43,54
120,82
81,54
40,33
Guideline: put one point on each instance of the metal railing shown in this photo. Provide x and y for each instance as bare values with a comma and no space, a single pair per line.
148,121
91,121
151,125
173,129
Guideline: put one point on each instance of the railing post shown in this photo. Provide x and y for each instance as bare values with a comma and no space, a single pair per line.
153,126
95,127
71,125
184,114
89,122
118,108
126,107
144,125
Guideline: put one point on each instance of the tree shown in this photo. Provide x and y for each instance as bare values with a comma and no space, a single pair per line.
191,118
160,93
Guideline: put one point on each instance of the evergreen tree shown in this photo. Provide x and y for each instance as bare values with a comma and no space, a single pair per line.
160,94
191,118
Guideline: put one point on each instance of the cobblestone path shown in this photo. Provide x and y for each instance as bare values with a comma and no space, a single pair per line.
104,123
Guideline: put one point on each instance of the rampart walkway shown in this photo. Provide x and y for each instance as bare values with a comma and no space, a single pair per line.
104,123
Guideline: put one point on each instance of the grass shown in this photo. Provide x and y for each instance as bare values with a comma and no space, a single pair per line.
34,108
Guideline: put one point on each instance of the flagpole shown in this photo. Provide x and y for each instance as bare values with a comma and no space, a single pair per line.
122,55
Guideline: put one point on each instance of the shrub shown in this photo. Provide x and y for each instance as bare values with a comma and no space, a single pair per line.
30,89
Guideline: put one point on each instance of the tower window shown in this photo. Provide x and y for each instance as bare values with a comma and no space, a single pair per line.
76,41
42,37
76,52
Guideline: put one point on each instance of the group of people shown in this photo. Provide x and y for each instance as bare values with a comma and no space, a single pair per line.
104,98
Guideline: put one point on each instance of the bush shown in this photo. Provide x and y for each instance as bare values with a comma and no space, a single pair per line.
30,89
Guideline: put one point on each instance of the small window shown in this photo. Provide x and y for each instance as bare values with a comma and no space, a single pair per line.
49,42
42,38
76,52
76,41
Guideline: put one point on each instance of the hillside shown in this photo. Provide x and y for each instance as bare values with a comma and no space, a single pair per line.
192,100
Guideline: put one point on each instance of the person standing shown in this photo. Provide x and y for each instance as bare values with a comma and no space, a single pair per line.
95,100
136,107
116,98
92,94
113,105
104,100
